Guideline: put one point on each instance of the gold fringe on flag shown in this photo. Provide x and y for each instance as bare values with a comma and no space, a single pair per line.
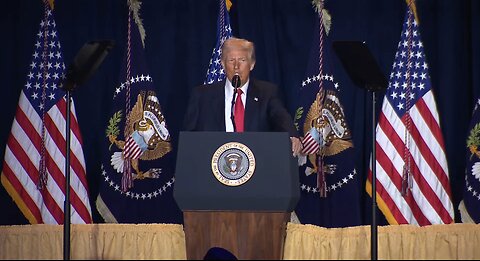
51,2
134,6
229,4
412,5
326,17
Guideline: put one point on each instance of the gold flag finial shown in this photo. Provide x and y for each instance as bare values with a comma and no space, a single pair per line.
413,7
229,4
51,3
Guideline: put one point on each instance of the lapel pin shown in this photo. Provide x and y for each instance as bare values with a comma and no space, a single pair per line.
255,99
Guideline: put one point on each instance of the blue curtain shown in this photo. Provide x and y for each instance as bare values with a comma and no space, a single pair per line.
180,36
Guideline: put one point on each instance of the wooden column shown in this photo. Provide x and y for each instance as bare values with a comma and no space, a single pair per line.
248,235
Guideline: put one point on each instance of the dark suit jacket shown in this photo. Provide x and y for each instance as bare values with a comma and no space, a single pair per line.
264,109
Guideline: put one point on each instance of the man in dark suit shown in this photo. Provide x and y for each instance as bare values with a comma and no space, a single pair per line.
258,106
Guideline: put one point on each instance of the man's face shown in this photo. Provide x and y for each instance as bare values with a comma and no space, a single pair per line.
237,60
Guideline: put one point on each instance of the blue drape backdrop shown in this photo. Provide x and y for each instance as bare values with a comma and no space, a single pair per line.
180,36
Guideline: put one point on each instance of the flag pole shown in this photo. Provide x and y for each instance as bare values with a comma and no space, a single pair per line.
66,208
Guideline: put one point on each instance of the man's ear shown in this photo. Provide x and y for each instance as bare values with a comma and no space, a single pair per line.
252,66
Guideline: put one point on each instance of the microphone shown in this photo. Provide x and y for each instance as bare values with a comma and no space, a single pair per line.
236,82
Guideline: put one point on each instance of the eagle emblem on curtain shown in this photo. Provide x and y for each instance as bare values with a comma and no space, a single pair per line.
147,136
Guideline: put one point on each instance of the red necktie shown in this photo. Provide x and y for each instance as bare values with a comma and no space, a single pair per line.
239,111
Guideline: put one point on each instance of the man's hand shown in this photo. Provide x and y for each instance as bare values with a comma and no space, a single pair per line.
296,146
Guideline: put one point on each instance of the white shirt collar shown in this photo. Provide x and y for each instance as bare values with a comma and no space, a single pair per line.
229,87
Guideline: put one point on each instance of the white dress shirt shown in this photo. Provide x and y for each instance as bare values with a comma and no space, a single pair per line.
228,102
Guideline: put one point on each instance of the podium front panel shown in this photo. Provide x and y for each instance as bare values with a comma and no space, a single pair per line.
273,186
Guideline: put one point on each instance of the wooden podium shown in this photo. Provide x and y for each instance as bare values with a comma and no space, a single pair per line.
246,215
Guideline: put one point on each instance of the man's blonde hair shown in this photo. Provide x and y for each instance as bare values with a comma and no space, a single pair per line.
244,44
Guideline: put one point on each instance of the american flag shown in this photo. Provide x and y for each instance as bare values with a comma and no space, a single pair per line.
33,171
224,31
412,173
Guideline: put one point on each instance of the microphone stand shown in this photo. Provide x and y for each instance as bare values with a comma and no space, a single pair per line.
232,116
235,83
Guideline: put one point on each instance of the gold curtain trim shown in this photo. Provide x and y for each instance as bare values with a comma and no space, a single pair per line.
167,241
94,241
452,241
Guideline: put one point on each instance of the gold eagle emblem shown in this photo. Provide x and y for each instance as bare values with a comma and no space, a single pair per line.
327,117
146,121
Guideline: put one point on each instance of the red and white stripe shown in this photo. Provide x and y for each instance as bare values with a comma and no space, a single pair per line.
131,149
21,166
429,200
310,145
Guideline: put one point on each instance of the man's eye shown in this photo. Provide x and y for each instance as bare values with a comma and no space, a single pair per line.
240,60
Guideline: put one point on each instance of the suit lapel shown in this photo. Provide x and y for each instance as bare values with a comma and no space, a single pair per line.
219,105
251,106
